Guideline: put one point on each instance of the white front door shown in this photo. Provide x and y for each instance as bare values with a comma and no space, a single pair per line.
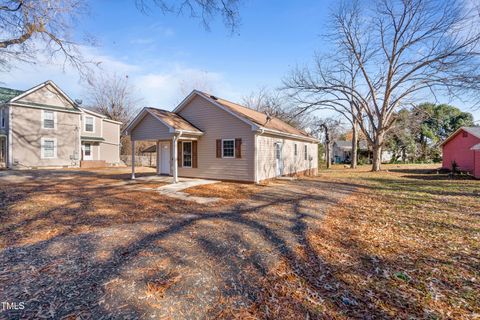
87,151
165,158
278,159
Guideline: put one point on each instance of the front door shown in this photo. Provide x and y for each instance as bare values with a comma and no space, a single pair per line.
165,158
87,151
278,159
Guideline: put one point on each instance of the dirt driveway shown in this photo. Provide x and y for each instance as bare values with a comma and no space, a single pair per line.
81,245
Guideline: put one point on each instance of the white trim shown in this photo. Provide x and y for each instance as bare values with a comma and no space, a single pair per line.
290,135
10,139
91,151
112,121
42,142
466,129
92,113
191,155
44,107
85,123
223,157
54,120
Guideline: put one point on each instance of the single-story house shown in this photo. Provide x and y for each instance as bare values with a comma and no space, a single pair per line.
342,150
212,138
463,148
44,127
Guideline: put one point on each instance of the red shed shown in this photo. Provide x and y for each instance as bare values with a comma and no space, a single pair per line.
463,147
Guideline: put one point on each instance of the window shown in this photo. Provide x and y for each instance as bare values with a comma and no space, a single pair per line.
87,149
48,119
49,148
295,150
3,116
228,148
187,154
89,124
306,152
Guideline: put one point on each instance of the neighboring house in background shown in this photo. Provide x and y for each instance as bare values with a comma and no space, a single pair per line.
342,150
212,138
43,127
463,148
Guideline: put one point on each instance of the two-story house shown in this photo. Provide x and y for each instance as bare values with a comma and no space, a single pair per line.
43,127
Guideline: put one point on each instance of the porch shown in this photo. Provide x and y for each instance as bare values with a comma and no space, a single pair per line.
174,137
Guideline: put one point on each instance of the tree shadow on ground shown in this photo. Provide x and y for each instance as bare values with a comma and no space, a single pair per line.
98,251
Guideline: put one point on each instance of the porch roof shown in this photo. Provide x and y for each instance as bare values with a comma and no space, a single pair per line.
95,139
174,120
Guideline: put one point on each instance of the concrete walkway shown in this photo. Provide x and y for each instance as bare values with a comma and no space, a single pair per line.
174,190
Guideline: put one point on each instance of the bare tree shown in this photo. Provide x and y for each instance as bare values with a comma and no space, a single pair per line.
277,105
113,96
32,26
205,10
331,129
402,49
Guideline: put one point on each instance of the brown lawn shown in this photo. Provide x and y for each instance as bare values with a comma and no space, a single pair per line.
402,243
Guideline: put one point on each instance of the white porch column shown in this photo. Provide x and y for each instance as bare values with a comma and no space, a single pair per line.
133,159
175,158
158,157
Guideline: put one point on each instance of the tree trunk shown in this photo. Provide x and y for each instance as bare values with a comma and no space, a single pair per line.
354,159
377,153
328,158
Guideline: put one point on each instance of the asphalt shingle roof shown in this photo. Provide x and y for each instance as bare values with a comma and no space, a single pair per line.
174,120
257,117
6,94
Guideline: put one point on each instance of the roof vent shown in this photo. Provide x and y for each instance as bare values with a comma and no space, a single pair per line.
78,101
213,97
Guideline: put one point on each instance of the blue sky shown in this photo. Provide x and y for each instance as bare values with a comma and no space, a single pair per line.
166,56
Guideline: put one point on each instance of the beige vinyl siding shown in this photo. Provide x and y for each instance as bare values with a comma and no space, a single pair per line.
150,128
110,153
110,148
219,124
97,127
47,95
27,133
266,164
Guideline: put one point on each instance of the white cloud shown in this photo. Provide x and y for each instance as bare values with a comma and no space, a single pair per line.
162,86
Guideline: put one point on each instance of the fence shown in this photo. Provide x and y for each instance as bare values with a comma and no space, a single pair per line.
149,160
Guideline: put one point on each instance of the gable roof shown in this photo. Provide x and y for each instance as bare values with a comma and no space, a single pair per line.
173,121
347,145
474,131
255,118
6,94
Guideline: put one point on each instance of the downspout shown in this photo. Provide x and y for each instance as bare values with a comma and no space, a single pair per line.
255,166
175,153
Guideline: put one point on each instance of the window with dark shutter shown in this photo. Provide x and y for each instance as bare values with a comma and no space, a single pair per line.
219,148
194,155
179,154
238,148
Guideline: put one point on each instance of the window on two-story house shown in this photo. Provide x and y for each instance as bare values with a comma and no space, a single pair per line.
89,124
49,148
228,148
48,119
3,117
